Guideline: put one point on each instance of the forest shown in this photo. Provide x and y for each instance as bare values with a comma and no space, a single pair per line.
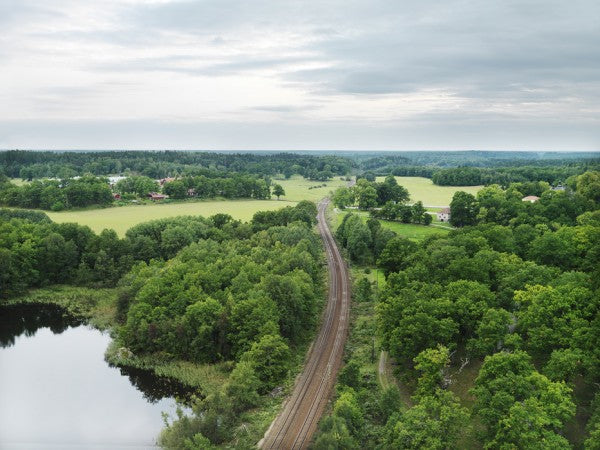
31,165
195,289
512,296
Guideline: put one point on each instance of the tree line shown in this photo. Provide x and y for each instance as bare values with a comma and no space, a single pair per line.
160,164
503,176
89,190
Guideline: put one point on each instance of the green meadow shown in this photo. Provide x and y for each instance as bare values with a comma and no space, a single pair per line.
121,218
298,188
407,230
430,194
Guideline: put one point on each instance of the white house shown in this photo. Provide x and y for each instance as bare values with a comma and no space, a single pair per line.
444,215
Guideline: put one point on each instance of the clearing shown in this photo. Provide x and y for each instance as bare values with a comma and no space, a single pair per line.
430,194
410,231
298,188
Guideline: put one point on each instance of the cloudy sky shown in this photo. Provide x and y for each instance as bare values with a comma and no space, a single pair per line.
325,74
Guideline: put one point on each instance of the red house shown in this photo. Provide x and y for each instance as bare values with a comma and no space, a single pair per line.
155,196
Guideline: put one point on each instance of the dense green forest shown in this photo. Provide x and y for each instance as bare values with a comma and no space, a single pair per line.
513,293
195,289
29,165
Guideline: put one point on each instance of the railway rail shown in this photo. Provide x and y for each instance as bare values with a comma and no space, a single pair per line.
294,427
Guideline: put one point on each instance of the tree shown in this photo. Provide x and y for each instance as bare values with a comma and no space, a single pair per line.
490,332
278,190
436,422
463,209
343,197
270,359
431,364
588,185
391,191
419,213
366,195
175,189
243,386
335,435
396,254
508,390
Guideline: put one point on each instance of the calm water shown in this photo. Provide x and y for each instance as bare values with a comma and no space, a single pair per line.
57,392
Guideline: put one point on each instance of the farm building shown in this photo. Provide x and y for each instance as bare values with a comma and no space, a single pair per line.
155,196
444,215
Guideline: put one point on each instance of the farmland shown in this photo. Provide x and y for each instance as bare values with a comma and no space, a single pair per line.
122,218
298,188
430,194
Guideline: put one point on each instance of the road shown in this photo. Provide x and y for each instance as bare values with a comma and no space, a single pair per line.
295,425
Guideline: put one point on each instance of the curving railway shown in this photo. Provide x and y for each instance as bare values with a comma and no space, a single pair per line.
294,426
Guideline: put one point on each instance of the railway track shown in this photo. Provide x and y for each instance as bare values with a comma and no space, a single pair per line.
296,423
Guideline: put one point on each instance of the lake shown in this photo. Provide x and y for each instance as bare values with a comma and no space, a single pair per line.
58,392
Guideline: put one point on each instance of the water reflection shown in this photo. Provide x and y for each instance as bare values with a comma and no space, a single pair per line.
25,320
57,391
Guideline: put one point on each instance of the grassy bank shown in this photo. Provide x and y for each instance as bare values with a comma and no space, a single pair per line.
97,306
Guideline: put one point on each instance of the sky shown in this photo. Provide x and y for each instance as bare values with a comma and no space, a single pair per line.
277,75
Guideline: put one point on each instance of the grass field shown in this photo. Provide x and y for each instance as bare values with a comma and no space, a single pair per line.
430,194
406,230
297,188
122,218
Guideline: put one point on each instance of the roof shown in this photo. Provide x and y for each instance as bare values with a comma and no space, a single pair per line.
445,211
530,198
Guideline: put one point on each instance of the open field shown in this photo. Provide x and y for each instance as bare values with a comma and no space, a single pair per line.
406,230
297,188
122,218
431,195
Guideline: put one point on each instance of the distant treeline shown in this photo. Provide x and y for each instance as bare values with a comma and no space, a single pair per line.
57,195
30,165
445,168
474,176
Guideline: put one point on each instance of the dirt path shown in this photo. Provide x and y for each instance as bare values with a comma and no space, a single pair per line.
294,426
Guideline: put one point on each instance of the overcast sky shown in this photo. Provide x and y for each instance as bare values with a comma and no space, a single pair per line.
254,74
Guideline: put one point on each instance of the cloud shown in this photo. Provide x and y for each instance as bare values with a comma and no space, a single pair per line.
426,63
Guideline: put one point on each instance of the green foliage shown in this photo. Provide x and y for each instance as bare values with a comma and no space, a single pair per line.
57,195
463,209
278,190
436,422
363,291
270,359
519,406
431,364
334,435
138,185
396,255
243,386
